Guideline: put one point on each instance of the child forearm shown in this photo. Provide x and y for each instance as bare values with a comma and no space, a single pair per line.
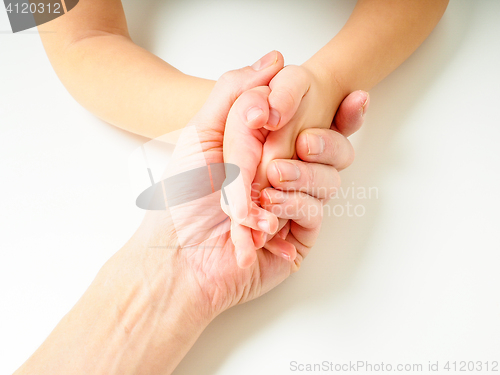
129,87
377,38
115,79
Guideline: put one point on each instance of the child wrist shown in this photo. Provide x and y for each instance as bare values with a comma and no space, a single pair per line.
330,84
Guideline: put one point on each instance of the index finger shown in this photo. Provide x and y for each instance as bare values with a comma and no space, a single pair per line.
243,148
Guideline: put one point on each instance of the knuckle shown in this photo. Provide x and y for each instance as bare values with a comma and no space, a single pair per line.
296,263
283,99
229,78
226,77
316,220
351,156
302,201
312,176
303,76
334,149
298,71
334,188
236,81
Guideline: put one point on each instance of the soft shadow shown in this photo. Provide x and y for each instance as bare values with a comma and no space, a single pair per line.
140,20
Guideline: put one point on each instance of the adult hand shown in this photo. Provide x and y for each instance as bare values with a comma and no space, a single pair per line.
247,138
152,299
204,249
313,184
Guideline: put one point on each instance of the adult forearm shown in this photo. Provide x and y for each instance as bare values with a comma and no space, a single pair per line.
377,38
139,316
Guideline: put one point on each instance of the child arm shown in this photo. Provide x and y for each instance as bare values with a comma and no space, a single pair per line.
377,38
120,82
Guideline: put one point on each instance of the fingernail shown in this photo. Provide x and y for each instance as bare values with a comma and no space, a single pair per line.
287,171
283,233
266,61
238,255
268,196
364,107
264,226
274,118
286,256
278,198
315,144
253,113
264,236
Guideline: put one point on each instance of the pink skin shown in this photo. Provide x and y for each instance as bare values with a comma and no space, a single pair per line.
222,279
244,141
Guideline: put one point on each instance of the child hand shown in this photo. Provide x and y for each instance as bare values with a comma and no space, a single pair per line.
244,137
299,99
293,96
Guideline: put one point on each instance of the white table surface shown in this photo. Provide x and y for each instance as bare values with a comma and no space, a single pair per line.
415,279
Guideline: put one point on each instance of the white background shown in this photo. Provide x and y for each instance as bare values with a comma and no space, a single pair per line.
415,279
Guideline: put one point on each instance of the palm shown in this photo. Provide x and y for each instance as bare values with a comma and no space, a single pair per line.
222,282
212,261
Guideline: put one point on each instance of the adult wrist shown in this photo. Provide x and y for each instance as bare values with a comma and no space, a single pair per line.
139,316
154,248
154,262
153,309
